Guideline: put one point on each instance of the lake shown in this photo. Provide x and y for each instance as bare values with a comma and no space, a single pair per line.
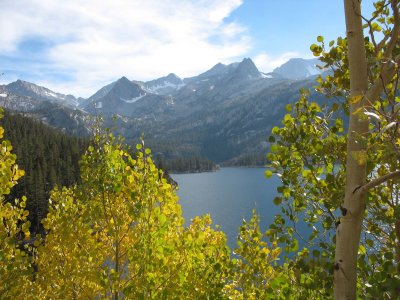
229,196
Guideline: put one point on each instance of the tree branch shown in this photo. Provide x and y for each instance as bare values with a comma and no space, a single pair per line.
377,181
388,70
390,64
395,31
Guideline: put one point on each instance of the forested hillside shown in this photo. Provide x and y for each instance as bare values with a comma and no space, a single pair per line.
48,157
186,165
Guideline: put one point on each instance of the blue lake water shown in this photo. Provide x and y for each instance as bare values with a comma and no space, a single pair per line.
229,196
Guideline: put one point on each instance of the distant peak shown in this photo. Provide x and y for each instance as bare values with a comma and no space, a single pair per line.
296,59
172,75
22,84
123,78
218,69
123,81
247,67
298,68
20,81
247,61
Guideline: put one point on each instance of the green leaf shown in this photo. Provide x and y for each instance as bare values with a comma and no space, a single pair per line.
277,200
275,130
273,148
316,253
268,173
271,139
369,243
356,99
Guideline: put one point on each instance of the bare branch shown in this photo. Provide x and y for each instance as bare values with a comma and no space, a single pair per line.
378,181
381,44
395,31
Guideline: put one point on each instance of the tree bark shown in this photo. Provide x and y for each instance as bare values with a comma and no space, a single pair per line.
349,230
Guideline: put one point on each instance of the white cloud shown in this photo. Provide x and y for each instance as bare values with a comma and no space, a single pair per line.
96,41
267,63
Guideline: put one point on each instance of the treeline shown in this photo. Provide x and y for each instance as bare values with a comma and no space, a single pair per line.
48,157
186,164
248,160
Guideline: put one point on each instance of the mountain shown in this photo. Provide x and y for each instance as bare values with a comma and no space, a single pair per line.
72,121
119,97
164,85
245,70
58,114
237,71
224,114
299,68
24,88
215,73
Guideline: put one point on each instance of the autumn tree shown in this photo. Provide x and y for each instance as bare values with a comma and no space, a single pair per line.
347,183
16,272
120,233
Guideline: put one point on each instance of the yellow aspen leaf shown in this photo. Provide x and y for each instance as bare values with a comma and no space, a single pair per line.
358,110
362,250
356,99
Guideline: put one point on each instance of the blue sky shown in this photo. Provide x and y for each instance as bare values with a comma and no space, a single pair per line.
78,46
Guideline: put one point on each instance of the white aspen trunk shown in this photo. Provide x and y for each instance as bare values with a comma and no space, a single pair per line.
349,230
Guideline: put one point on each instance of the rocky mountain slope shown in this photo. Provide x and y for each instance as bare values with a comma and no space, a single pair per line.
224,114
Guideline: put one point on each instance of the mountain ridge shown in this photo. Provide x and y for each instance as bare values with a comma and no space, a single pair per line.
223,113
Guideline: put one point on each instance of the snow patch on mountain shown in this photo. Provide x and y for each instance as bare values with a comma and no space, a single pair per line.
264,75
133,100
166,84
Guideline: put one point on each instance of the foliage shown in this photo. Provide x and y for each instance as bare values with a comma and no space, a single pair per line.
48,157
119,233
253,271
15,263
309,154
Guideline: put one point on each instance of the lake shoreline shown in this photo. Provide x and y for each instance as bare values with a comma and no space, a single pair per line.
193,172
217,169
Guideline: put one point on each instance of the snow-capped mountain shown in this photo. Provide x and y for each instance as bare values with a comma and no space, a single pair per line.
24,88
164,85
299,68
117,98
224,113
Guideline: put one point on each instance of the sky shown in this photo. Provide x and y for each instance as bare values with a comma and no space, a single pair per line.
78,46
